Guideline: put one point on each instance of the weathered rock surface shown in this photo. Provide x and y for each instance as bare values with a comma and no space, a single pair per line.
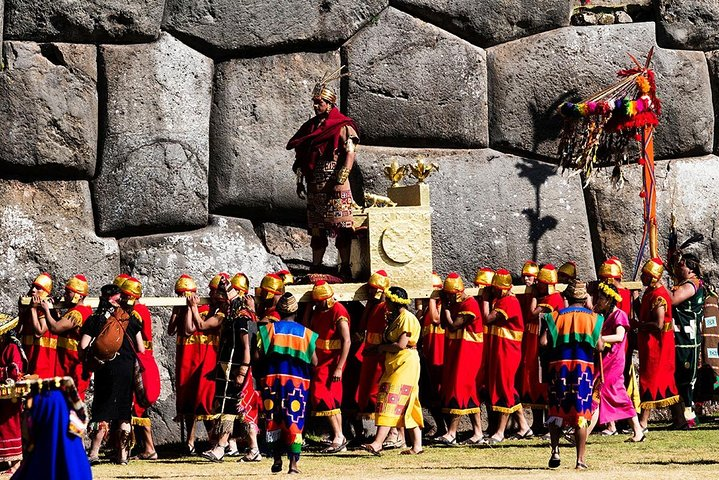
48,226
89,21
48,109
224,26
292,244
686,188
413,84
713,62
227,244
155,155
531,77
494,209
688,24
491,22
258,104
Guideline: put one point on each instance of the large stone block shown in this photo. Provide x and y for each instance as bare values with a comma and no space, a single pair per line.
227,26
713,62
259,103
292,245
227,244
488,23
531,77
686,188
153,173
89,21
494,209
48,226
48,109
688,24
413,84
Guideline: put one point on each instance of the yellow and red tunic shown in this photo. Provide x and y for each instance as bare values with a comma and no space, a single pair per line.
68,356
326,395
142,315
195,361
433,345
657,386
462,372
372,362
504,354
40,350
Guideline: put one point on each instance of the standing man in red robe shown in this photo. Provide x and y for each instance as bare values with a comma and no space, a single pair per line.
330,320
657,386
39,344
12,367
324,154
505,329
67,328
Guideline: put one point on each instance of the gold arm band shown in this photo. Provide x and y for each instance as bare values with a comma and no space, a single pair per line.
343,175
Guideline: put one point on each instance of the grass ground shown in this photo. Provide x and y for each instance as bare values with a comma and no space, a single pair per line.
665,455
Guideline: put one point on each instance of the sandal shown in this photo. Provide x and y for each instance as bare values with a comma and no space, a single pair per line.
276,466
469,441
389,444
369,448
446,441
252,456
146,456
528,435
609,433
554,460
210,455
631,439
336,448
293,470
409,451
581,466
191,449
494,441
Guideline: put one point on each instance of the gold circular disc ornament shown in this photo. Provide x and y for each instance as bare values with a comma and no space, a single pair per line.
399,243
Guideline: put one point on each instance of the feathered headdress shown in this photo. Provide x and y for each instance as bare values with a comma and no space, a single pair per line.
323,90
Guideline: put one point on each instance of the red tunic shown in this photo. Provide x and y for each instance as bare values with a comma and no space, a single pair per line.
462,373
41,351
372,362
10,431
142,313
657,387
626,303
504,344
326,395
195,361
67,342
433,345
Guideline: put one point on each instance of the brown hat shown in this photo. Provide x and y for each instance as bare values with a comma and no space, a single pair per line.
287,305
576,290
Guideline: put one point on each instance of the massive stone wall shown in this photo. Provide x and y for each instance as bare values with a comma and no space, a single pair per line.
149,136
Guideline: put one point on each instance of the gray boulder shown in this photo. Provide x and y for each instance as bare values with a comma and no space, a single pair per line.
531,77
488,23
48,109
686,189
258,104
494,209
221,27
413,84
688,24
155,155
47,226
227,244
89,21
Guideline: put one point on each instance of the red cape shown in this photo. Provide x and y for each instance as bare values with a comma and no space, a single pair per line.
310,142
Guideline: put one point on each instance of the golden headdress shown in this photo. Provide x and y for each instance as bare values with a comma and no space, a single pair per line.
379,279
322,291
484,277
240,283
120,279
215,282
322,88
436,281
7,323
654,267
569,269
530,269
502,279
185,284
132,288
610,268
78,286
548,275
453,283
44,283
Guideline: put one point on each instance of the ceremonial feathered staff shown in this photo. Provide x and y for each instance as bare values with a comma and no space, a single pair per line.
597,133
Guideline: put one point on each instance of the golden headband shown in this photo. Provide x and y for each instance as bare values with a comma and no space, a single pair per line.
607,291
323,90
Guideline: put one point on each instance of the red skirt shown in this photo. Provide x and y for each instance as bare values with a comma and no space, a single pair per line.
532,391
657,387
69,364
10,432
433,346
504,358
461,376
41,355
195,361
326,395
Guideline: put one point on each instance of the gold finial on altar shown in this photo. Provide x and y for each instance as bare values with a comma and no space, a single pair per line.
394,172
422,170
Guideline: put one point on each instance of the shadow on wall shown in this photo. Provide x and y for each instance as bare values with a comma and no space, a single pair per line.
537,174
548,122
